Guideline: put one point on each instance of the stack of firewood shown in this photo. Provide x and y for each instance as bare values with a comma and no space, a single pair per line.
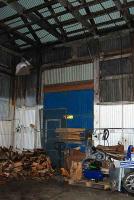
70,134
27,164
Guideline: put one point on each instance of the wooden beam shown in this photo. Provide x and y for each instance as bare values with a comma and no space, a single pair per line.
69,87
77,15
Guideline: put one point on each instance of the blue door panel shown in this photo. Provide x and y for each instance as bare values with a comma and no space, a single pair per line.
77,103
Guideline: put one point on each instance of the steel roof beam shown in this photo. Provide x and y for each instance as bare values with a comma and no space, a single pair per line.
63,32
77,15
90,14
30,29
17,34
33,9
111,9
34,18
124,11
98,13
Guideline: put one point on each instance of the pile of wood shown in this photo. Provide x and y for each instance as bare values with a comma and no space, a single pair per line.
27,164
117,149
71,134
116,152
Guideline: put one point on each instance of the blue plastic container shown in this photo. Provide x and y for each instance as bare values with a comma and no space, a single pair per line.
93,174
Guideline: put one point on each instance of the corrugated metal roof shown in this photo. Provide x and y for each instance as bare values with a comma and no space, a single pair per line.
23,30
58,8
75,3
108,4
52,21
30,3
42,33
15,24
30,36
20,42
89,1
43,10
73,27
95,8
101,19
120,23
6,12
46,13
26,46
58,30
74,34
35,26
48,38
65,17
13,20
115,15
131,10
82,11
106,26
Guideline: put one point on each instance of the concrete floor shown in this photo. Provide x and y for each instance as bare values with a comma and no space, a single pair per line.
35,190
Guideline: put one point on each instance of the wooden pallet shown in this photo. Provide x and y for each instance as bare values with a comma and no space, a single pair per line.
105,185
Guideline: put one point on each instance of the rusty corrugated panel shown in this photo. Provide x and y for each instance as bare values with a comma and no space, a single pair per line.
117,90
115,43
65,87
26,90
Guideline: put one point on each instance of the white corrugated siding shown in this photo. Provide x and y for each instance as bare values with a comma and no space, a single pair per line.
75,73
5,133
119,119
26,136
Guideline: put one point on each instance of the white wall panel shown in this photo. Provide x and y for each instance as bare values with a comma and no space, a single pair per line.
119,120
26,137
5,133
75,73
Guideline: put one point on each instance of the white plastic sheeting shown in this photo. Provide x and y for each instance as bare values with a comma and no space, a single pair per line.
119,120
27,137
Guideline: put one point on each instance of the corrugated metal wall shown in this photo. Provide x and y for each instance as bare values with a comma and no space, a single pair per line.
117,80
26,90
118,118
5,111
25,136
71,74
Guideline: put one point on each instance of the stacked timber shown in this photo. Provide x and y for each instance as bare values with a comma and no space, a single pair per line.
71,134
27,164
116,152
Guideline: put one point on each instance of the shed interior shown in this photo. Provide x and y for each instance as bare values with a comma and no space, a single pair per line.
66,67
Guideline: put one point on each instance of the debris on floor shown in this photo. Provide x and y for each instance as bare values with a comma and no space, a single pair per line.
27,164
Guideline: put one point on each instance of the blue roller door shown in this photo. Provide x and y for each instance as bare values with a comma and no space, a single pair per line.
77,103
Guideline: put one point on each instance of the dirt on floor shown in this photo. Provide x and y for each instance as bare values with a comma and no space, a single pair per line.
51,190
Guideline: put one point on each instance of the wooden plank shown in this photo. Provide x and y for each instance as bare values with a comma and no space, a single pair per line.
68,87
105,185
70,130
